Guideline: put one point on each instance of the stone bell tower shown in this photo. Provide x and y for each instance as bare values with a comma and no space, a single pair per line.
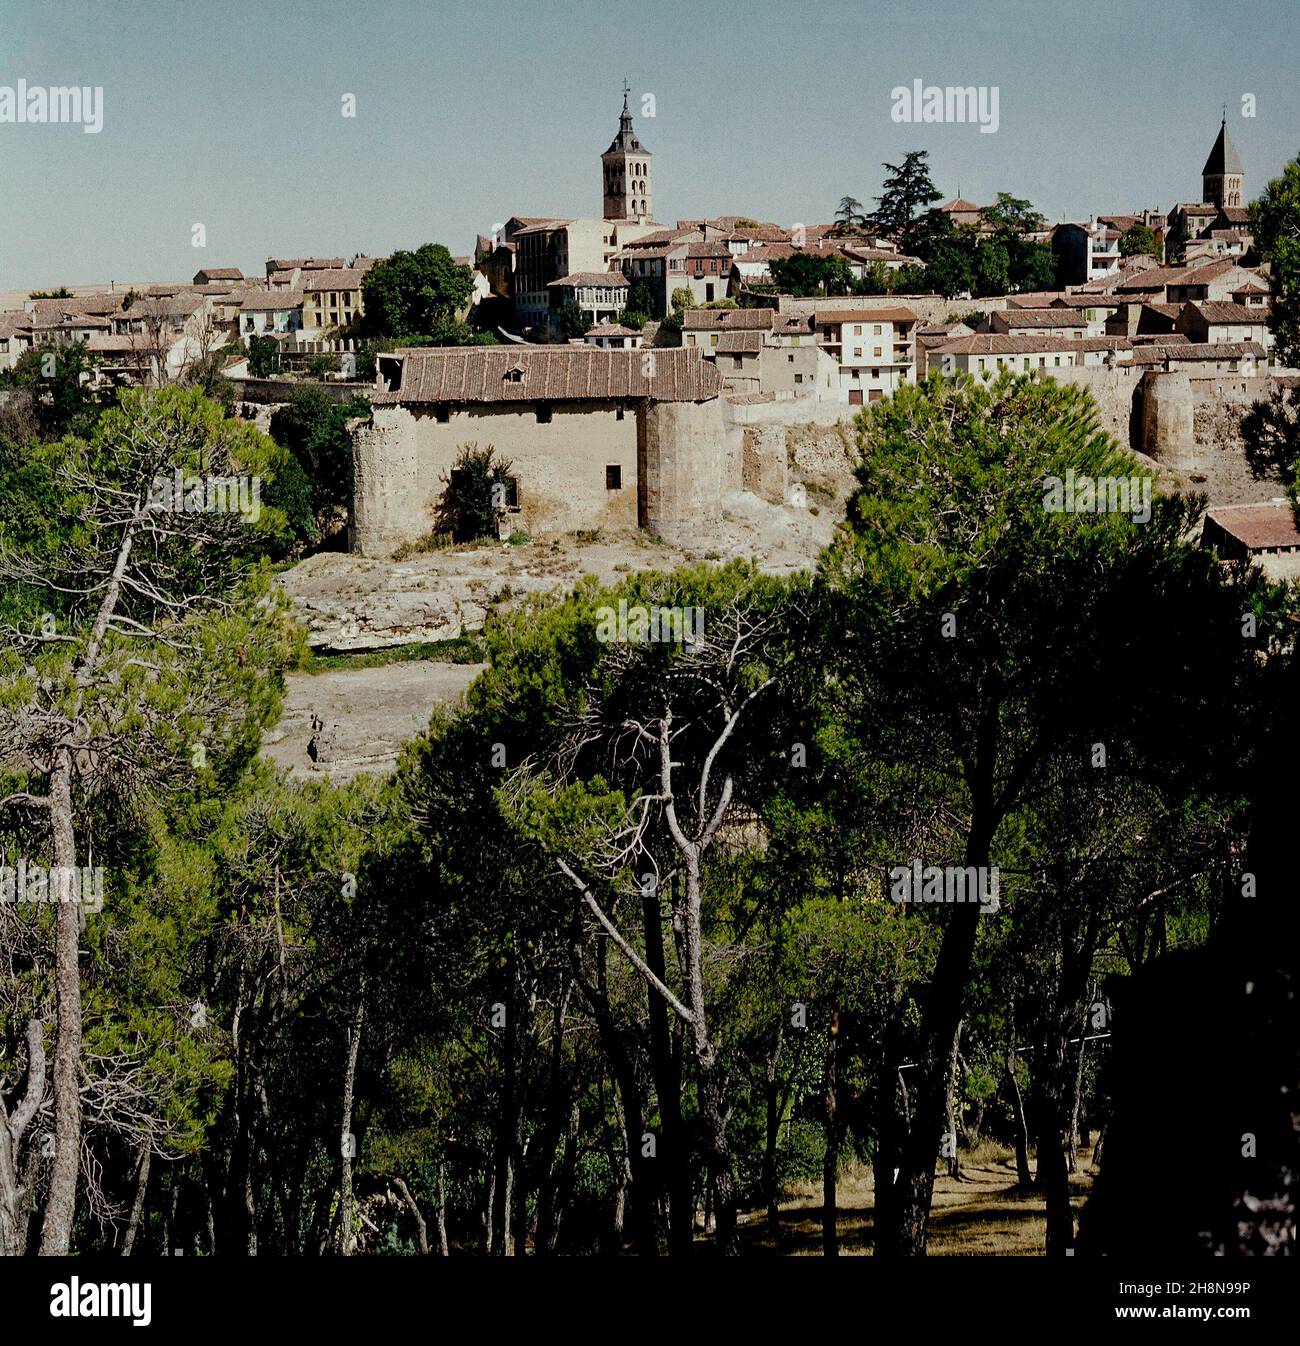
625,168
1222,176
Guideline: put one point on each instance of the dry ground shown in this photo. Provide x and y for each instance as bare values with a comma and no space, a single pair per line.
984,1214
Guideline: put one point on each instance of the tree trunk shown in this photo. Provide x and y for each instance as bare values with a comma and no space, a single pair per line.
560,1181
717,1154
914,1188
1077,1099
950,1107
831,1154
347,1142
440,1215
1024,1176
421,1229
61,1195
137,1206
14,1192
772,1098
674,1158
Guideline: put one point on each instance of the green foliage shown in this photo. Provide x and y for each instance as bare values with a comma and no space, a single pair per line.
474,494
314,428
639,307
263,357
55,383
669,331
415,293
803,274
906,195
1271,429
992,268
1138,239
571,321
950,270
1275,221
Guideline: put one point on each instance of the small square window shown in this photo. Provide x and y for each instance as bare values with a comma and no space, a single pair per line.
543,413
613,477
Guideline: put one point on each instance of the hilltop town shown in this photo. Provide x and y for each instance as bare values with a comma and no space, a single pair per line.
588,670
687,391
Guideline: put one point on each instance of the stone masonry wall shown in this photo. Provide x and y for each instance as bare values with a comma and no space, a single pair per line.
403,456
683,470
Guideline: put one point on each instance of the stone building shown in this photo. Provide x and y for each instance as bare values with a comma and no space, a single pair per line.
597,438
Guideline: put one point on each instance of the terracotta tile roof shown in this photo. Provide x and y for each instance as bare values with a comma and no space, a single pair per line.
1251,287
306,263
1261,527
611,329
52,310
1004,343
864,254
1230,313
1221,350
264,301
542,227
763,233
1038,317
737,343
126,343
219,273
659,238
1197,208
607,278
1080,300
548,374
834,317
714,319
767,252
344,278
168,306
793,324
53,324
959,203
1153,278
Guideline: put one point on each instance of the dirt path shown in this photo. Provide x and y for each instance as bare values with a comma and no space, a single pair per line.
984,1214
366,713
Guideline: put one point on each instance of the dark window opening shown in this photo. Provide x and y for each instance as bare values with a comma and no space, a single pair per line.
442,413
543,414
613,477
621,411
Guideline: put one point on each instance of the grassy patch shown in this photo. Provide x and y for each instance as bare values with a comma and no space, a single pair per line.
463,650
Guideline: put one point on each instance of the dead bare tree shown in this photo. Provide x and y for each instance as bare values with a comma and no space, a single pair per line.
668,726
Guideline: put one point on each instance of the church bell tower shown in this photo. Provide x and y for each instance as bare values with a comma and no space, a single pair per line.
625,168
1222,176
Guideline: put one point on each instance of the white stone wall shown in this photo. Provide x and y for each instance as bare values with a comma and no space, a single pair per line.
402,457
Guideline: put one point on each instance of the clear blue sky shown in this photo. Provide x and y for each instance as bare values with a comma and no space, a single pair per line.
227,112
